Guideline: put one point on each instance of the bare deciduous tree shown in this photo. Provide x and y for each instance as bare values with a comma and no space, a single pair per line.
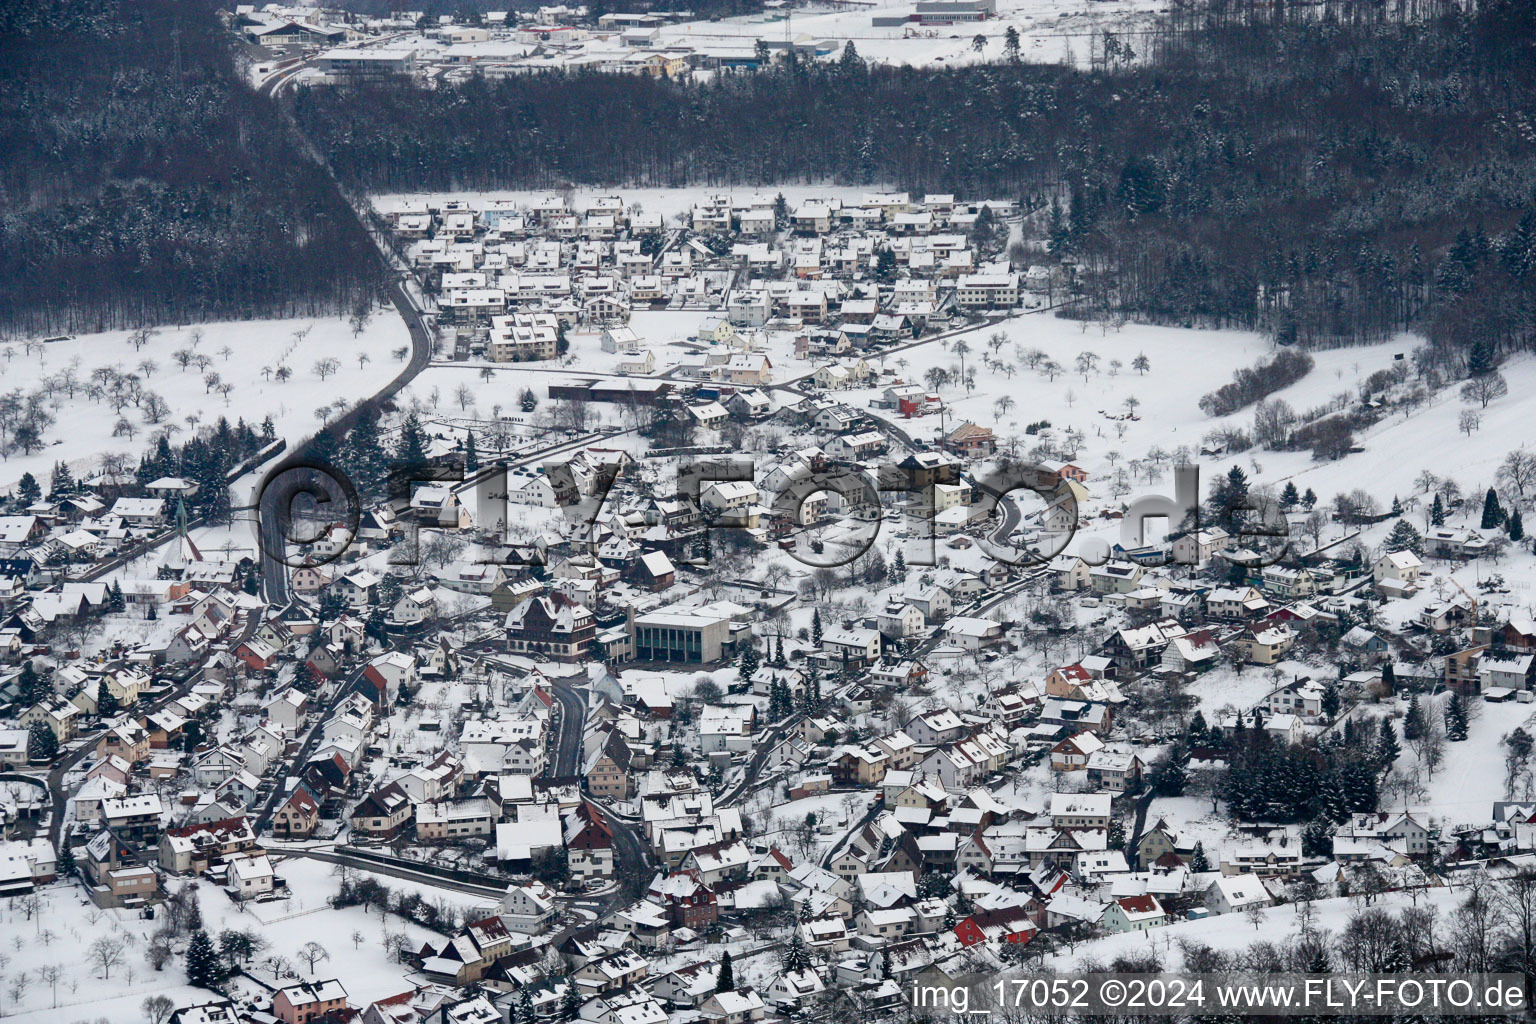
312,953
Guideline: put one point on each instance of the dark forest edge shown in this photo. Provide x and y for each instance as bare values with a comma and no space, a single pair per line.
144,183
1329,175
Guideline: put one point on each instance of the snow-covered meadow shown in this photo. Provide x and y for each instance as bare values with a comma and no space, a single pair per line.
269,367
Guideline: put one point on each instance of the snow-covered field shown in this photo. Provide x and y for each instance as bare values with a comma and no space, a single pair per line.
352,938
244,354
1050,31
1235,931
1474,774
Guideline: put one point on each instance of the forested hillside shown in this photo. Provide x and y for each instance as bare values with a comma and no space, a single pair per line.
142,183
1331,176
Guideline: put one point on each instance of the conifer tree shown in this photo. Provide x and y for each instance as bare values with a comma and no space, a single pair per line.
1437,512
725,980
1413,721
106,704
204,968
1387,748
1289,496
1309,499
1516,526
30,686
816,628
1317,838
1455,719
1330,700
1199,861
1335,802
412,449
1198,730
1493,512
42,744
796,956
1229,498
63,480
1405,538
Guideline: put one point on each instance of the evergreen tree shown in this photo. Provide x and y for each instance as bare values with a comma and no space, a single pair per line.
362,455
1359,784
1437,512
1405,538
748,662
30,686
570,1002
471,457
27,489
796,956
1333,801
66,860
1289,496
1389,678
1330,700
1309,499
1199,731
412,449
1516,526
1229,499
779,661
816,628
115,601
775,700
1480,360
1168,776
106,704
900,566
725,980
850,62
63,480
42,745
1387,748
1493,512
204,968
1397,506
1317,838
1455,719
1413,721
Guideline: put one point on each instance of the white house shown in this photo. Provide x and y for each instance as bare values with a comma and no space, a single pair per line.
1232,894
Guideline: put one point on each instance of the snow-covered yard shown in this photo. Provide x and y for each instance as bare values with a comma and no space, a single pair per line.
68,925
